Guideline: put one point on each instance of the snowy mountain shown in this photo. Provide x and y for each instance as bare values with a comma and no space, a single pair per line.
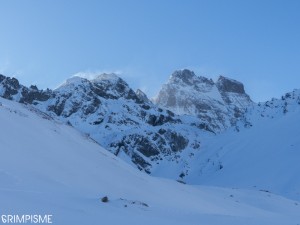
109,111
226,140
219,104
47,167
260,153
129,125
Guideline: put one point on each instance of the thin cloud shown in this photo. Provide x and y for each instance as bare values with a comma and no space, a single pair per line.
93,74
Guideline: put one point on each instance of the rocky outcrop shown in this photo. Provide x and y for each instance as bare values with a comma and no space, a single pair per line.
233,92
12,90
219,105
225,84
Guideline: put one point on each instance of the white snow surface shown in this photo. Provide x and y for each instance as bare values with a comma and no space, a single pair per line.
264,155
50,168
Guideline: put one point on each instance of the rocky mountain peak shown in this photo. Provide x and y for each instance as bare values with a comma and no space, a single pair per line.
184,75
218,104
73,82
107,86
11,82
111,77
113,84
11,89
225,84
188,77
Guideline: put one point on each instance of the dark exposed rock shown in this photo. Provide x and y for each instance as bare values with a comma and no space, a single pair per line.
185,75
140,162
34,87
104,199
107,89
138,143
177,142
189,78
160,120
11,88
170,113
144,145
228,85
146,107
97,122
14,83
2,77
102,92
58,107
162,131
31,95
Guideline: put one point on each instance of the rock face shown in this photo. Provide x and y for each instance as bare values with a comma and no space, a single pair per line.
12,90
129,125
228,85
233,92
219,105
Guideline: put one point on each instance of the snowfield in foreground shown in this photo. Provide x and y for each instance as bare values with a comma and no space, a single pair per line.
263,157
50,168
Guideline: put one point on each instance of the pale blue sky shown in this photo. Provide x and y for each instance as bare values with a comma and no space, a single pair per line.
256,42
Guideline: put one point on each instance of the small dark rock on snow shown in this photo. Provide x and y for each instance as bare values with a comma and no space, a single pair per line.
104,199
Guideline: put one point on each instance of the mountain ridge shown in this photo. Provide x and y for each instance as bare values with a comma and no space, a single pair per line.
114,115
146,135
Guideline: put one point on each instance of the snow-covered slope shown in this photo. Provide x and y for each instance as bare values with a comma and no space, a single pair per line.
47,167
263,155
218,104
